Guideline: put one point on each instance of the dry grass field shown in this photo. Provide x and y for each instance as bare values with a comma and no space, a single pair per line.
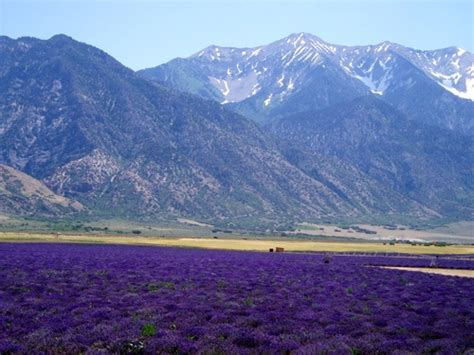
238,244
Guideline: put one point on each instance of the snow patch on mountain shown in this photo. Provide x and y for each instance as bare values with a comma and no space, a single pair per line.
376,87
268,100
449,82
291,85
372,68
237,89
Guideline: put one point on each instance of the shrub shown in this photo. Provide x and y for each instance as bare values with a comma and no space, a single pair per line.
148,330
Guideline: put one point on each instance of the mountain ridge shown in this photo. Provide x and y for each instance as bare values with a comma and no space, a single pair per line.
265,81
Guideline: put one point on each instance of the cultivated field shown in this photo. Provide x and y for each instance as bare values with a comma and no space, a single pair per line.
239,244
70,298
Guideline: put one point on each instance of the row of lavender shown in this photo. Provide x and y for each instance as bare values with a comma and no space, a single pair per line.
76,298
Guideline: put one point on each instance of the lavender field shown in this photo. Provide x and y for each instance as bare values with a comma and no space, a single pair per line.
64,298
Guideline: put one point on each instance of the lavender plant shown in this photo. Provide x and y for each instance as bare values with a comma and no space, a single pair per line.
62,298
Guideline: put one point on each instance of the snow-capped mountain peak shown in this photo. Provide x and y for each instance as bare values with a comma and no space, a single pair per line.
279,67
266,76
303,42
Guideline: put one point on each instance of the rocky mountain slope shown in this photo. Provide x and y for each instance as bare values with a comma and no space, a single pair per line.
302,72
20,194
92,130
369,143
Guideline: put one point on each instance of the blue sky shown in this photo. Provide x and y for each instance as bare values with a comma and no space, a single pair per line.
147,33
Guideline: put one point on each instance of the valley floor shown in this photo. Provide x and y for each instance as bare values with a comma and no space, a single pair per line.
248,244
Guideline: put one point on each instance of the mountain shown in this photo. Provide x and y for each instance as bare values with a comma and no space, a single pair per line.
367,143
92,130
20,194
303,73
287,75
